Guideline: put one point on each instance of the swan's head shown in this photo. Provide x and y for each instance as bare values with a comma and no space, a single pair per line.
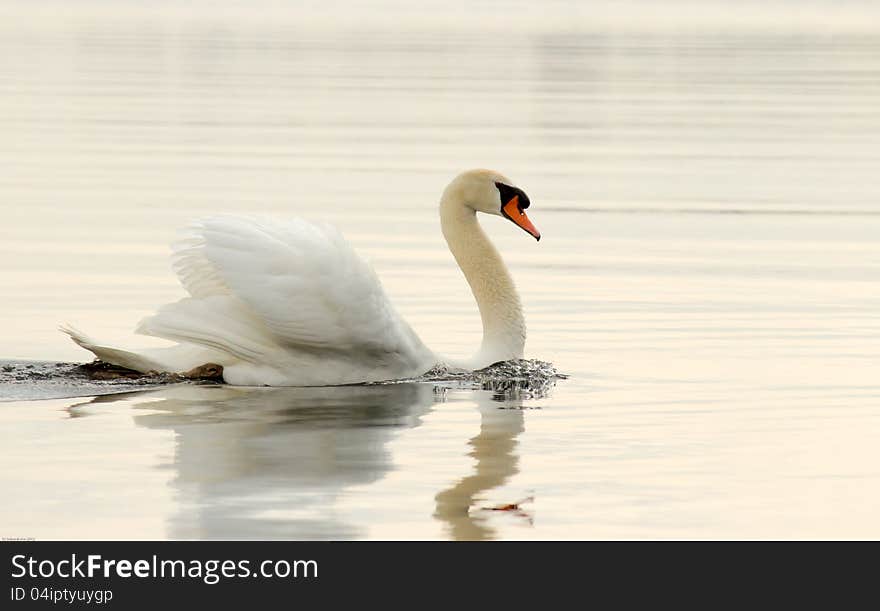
492,193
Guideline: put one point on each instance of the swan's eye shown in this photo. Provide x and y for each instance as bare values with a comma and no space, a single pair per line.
508,193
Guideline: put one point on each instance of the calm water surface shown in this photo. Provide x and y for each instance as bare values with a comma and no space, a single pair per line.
710,205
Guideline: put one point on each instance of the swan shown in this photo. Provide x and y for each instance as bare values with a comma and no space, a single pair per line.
290,303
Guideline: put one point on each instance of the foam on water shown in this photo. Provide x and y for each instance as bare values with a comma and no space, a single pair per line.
516,378
23,380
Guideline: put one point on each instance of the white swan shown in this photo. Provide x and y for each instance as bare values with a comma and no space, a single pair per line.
290,303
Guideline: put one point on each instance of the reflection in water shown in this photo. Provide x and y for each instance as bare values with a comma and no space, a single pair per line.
493,449
275,463
271,463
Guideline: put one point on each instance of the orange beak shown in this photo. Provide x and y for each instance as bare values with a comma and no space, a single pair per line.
512,211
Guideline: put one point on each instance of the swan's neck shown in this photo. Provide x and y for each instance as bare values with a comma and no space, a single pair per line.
504,329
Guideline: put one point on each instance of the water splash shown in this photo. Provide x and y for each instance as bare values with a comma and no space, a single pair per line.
513,379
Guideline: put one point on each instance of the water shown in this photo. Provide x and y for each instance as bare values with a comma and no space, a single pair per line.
705,183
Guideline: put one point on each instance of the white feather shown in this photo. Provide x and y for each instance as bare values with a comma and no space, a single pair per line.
173,358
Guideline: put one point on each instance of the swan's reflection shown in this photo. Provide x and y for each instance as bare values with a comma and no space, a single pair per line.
497,461
276,463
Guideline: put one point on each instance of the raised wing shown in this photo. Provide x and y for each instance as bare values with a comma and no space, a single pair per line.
302,282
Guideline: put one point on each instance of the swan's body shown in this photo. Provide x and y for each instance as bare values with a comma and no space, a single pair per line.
290,303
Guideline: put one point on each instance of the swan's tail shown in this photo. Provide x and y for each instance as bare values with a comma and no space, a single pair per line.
115,356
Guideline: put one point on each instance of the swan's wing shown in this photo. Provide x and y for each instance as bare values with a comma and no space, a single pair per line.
303,281
219,322
196,273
